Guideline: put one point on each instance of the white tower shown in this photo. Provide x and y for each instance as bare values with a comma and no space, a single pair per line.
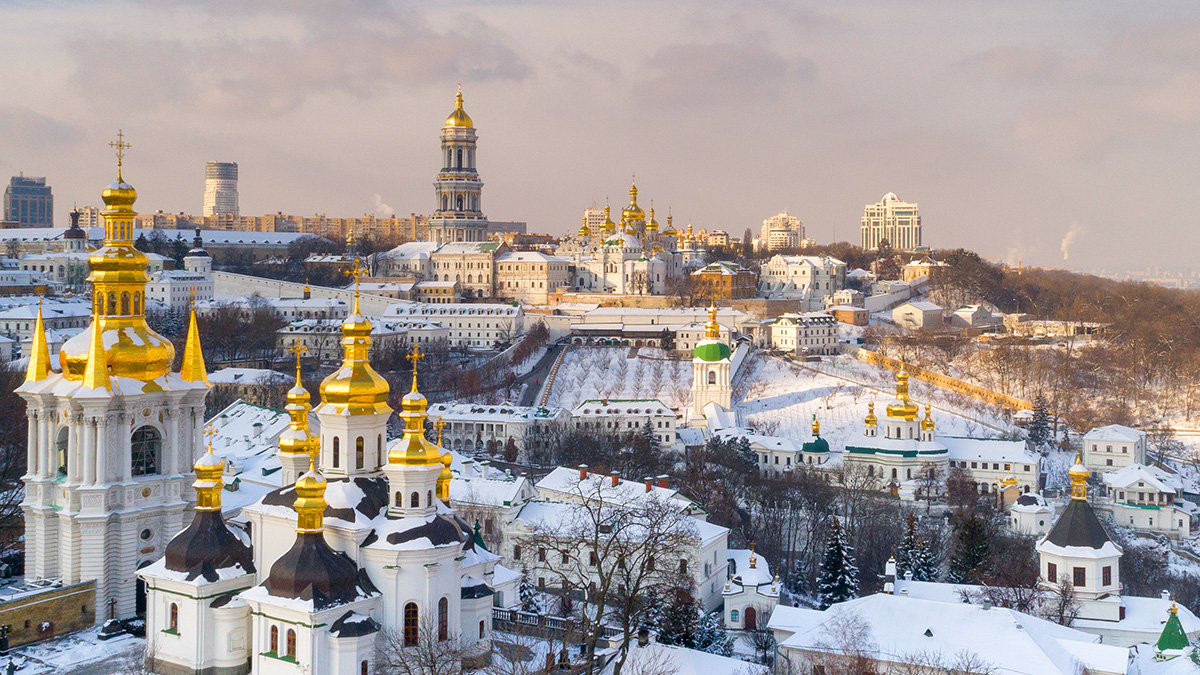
458,215
220,188
711,370
112,433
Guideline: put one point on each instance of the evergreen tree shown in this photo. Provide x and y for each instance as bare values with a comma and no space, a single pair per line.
906,552
679,622
711,636
969,548
529,597
924,563
1039,426
179,250
839,574
798,580
667,340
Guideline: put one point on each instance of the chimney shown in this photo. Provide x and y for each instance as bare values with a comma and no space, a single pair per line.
1165,595
616,478
664,480
485,469
257,428
649,483
583,471
889,576
468,468
904,592
987,604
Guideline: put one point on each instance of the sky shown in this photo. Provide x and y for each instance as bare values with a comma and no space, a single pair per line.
1062,134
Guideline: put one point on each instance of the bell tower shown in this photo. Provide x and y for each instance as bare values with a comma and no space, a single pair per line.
711,367
458,215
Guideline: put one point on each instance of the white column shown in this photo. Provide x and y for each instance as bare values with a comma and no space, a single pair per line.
122,447
46,443
101,452
89,451
31,447
72,447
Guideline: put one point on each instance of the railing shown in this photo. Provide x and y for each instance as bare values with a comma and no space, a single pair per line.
556,625
550,378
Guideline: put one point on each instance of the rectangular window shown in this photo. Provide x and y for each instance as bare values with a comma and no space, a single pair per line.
1107,575
1080,577
1052,573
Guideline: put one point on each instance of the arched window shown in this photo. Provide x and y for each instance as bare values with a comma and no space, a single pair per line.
337,452
174,618
125,303
291,643
458,157
415,500
61,445
482,630
274,640
459,202
145,445
443,619
137,303
399,499
734,616
445,202
871,470
112,304
410,624
712,377
429,498
359,455
366,668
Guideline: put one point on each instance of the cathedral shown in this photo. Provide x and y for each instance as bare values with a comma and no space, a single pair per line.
633,256
358,544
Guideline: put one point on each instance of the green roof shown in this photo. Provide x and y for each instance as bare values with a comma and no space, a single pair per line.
712,351
817,444
1172,636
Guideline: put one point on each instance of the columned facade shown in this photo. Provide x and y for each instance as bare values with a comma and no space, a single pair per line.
458,215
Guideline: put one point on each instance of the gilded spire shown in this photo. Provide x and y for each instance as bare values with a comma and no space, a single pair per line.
459,118
310,501
609,225
298,438
584,230
192,369
927,423
816,426
871,420
1079,475
209,469
903,407
413,449
356,386
39,353
444,478
712,329
96,375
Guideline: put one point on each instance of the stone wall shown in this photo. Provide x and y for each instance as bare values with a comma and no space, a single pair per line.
46,613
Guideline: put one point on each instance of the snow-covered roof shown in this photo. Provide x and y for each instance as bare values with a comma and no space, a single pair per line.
250,451
50,310
745,574
986,449
922,305
412,250
467,248
1007,640
659,658
622,406
718,418
498,489
1114,432
861,443
565,483
504,412
1157,478
248,376
1031,502
527,256
554,515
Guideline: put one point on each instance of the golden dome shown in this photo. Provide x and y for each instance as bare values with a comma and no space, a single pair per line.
609,225
310,502
633,212
712,329
459,118
413,449
356,387
209,469
131,348
444,478
1079,476
816,426
927,423
298,437
871,420
652,224
903,407
670,231
584,230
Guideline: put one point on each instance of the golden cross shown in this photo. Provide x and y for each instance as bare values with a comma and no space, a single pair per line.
438,425
356,271
210,431
121,147
416,355
298,348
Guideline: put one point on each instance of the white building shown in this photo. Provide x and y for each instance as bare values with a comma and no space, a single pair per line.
807,333
474,427
410,259
917,315
808,278
530,276
179,289
712,371
1031,514
781,231
322,338
20,323
472,326
471,264
994,463
891,220
1150,499
625,416
750,592
1113,447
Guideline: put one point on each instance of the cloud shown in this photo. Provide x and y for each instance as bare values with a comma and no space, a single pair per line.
1016,64
371,50
718,74
37,130
383,210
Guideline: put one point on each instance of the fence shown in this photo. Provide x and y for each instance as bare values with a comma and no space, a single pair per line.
944,381
562,628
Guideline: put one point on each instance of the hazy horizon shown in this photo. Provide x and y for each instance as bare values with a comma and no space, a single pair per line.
1026,131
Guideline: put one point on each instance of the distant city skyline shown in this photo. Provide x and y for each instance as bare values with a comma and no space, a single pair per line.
1057,134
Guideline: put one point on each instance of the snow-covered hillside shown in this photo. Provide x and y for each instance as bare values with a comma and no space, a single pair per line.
621,372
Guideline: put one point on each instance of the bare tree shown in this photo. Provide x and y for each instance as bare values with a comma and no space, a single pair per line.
425,653
1062,605
622,550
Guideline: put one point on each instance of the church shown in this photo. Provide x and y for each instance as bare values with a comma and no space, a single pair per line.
358,545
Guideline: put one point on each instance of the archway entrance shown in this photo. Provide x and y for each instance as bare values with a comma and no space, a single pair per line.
139,602
751,619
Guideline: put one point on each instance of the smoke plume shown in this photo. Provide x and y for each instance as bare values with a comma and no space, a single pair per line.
1072,234
383,210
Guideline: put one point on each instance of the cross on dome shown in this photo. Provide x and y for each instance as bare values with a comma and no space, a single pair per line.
121,146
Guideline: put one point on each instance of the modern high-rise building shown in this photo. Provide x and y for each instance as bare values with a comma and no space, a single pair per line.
781,231
220,188
897,222
458,216
28,201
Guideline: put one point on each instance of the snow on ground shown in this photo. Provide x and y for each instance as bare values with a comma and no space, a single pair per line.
780,397
80,652
621,372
